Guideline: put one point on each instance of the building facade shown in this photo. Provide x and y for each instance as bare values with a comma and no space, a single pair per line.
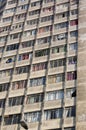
42,64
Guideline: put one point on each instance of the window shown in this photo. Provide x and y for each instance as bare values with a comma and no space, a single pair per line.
12,119
15,36
48,9
0,120
17,26
12,2
70,92
22,7
62,15
70,111
39,66
59,49
37,3
47,1
69,128
72,75
42,53
20,16
48,18
57,63
4,87
34,98
73,47
9,10
72,60
12,47
2,103
59,37
21,70
35,12
5,73
43,40
8,19
14,101
56,78
53,114
74,34
45,29
61,25
74,12
29,33
54,95
25,56
32,22
3,39
37,81
4,29
19,84
1,49
73,2
74,22
62,6
32,116
27,44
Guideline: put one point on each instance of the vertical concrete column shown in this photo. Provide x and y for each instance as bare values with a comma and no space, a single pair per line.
81,69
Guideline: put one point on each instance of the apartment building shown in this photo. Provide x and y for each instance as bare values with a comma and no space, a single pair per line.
42,64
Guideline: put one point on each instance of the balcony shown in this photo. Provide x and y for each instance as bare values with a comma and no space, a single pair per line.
3,33
31,37
68,122
60,20
10,6
7,79
34,8
40,59
13,110
8,14
52,104
70,102
41,46
9,127
71,67
16,92
56,86
25,50
43,14
48,4
34,90
13,41
22,63
58,43
32,107
22,2
30,27
56,70
44,34
71,83
3,94
20,77
72,53
57,56
61,1
10,53
41,24
59,31
16,30
39,73
56,123
4,66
